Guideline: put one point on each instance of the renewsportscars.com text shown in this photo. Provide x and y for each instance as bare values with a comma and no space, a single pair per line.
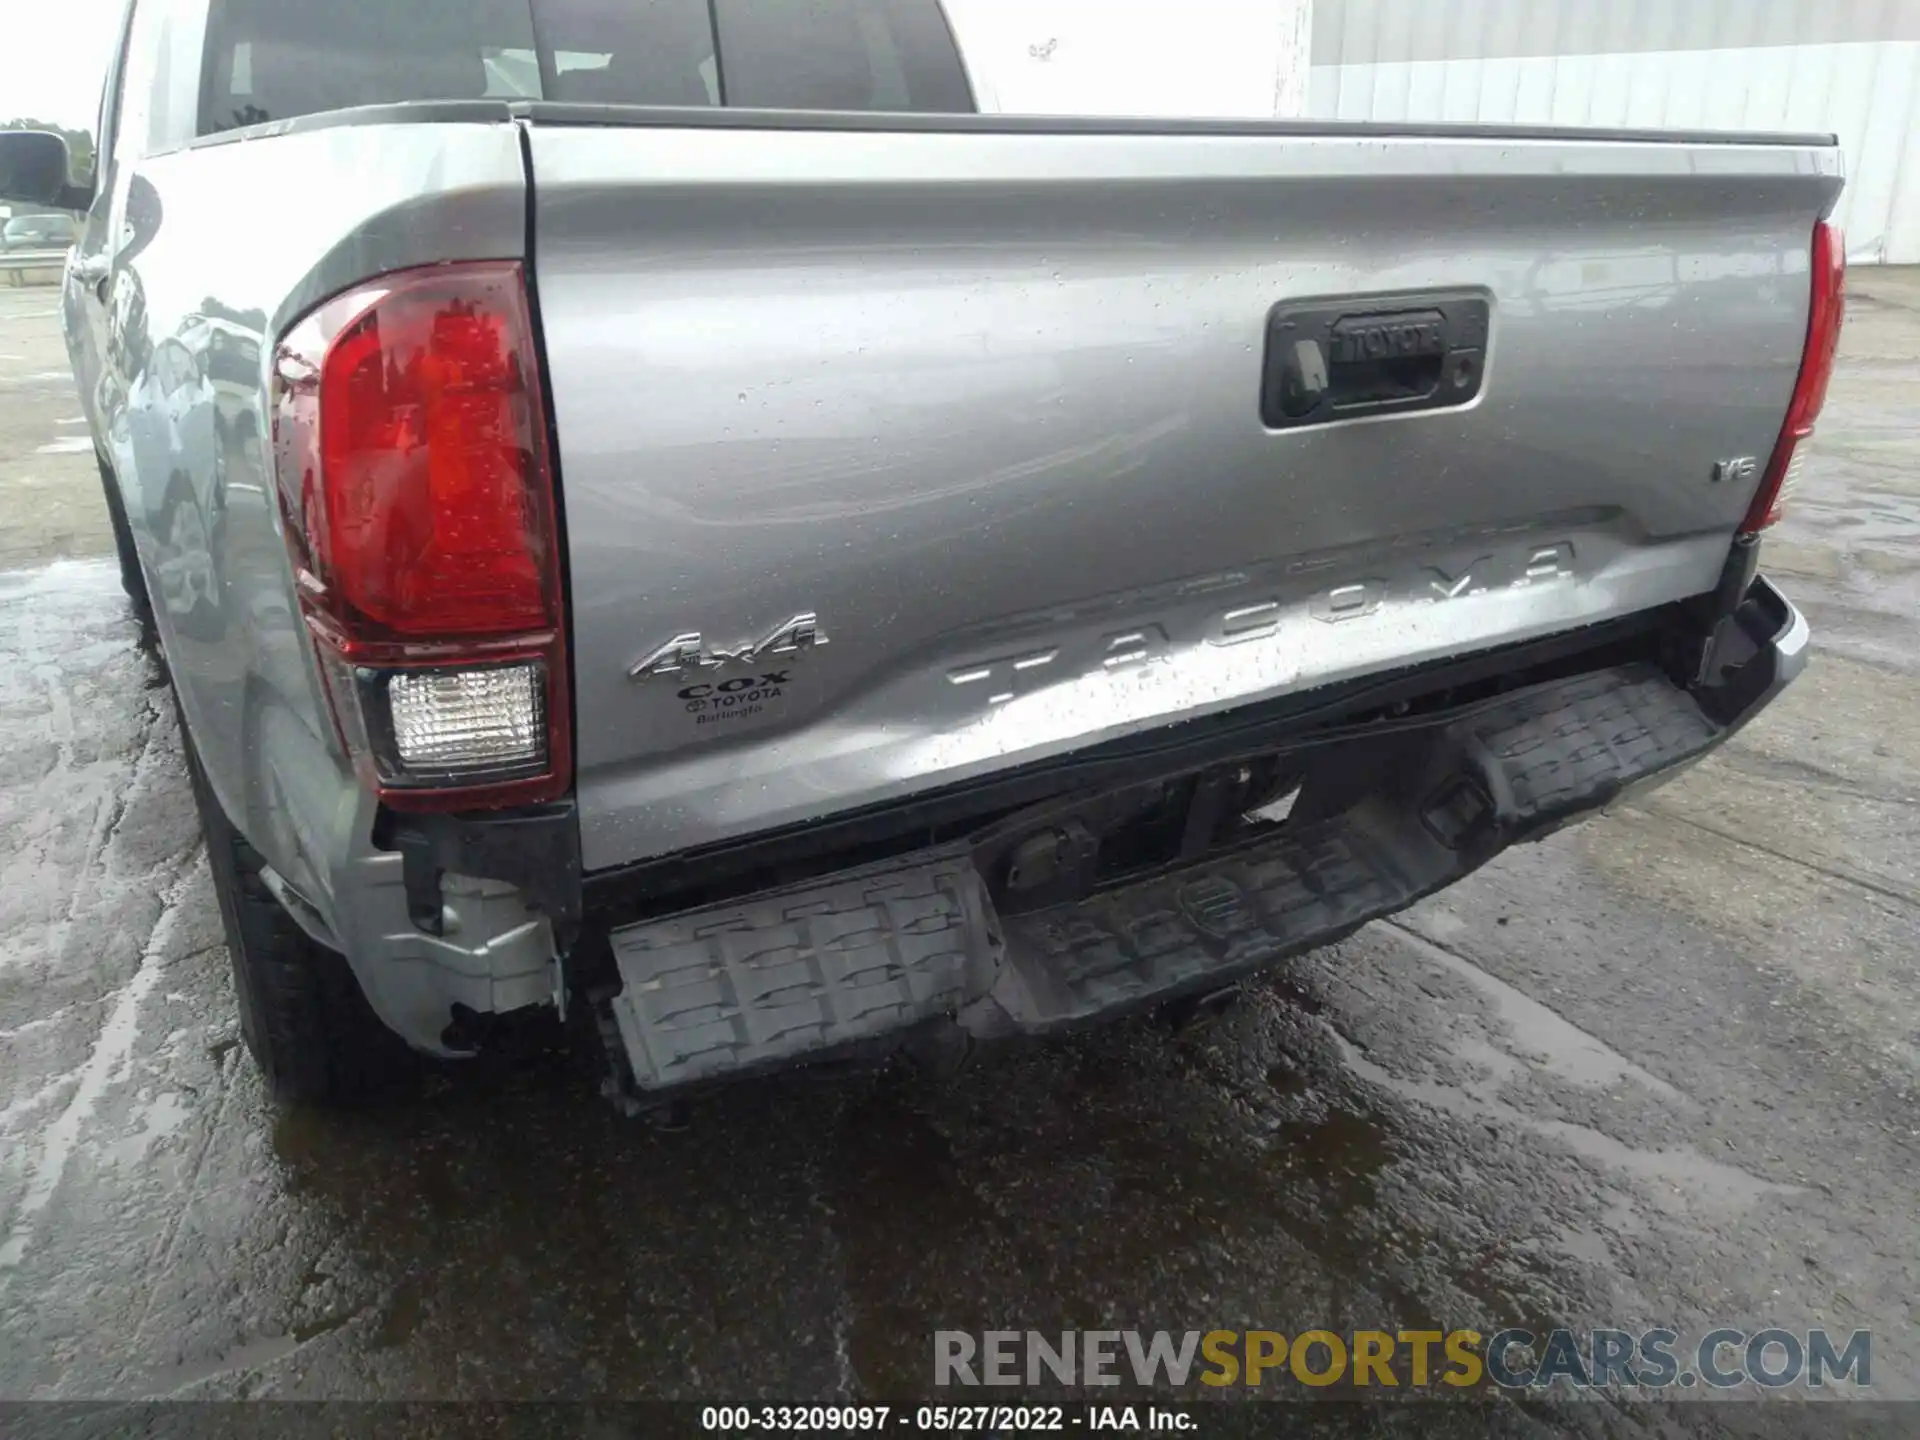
1510,1359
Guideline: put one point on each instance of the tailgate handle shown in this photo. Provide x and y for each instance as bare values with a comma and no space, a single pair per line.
1344,360
1384,359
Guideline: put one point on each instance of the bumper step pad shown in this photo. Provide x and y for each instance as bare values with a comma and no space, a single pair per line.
1557,749
1528,764
788,973
791,975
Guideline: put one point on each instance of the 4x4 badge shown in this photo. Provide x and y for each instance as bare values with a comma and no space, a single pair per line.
687,652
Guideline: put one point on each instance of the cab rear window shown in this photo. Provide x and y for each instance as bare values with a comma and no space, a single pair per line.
277,59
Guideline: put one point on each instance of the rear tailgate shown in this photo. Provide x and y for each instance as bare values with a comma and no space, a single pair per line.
984,401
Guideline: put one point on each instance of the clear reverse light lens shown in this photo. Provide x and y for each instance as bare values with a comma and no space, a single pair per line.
1791,480
468,719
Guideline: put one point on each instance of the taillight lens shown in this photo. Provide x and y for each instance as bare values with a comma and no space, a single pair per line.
417,494
1824,314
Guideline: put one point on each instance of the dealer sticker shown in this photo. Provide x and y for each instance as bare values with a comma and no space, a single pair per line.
720,703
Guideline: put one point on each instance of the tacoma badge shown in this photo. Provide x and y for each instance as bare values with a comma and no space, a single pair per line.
684,652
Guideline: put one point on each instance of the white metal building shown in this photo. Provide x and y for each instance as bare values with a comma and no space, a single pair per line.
1851,67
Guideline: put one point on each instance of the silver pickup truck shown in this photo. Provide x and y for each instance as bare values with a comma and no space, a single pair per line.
659,516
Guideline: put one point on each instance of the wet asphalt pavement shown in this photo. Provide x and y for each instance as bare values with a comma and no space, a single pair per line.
1658,1070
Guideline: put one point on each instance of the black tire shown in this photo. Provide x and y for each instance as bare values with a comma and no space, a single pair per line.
302,1014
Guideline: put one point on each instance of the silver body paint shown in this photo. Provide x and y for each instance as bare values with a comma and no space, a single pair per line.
234,241
985,403
978,399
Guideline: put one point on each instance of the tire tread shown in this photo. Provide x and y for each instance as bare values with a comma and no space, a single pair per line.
303,1016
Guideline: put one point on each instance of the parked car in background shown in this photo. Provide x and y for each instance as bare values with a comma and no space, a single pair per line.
691,530
38,232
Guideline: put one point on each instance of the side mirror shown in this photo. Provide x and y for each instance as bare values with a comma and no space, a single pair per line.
33,170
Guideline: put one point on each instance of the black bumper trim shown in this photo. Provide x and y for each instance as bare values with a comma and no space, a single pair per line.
1512,773
1507,771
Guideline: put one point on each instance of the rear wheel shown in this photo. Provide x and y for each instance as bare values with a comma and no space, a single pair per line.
302,1014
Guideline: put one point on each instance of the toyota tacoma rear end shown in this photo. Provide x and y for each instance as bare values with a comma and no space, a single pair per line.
743,555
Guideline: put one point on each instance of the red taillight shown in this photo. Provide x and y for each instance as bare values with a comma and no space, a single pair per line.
410,449
1824,313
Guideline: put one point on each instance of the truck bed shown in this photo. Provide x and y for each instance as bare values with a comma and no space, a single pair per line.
896,453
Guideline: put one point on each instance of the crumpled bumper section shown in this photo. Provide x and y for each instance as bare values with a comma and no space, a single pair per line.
914,944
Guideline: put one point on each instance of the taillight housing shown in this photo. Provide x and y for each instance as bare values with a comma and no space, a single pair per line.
416,492
1825,311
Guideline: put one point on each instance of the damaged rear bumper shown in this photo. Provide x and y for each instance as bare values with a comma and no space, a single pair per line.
913,949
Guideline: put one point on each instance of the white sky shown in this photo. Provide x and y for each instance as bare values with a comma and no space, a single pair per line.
53,58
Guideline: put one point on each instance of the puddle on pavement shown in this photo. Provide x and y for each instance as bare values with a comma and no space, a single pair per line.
110,1052
1293,991
1598,1242
1157,1180
1484,1055
508,1219
894,1198
1344,1152
1679,1179
838,1224
1543,1038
